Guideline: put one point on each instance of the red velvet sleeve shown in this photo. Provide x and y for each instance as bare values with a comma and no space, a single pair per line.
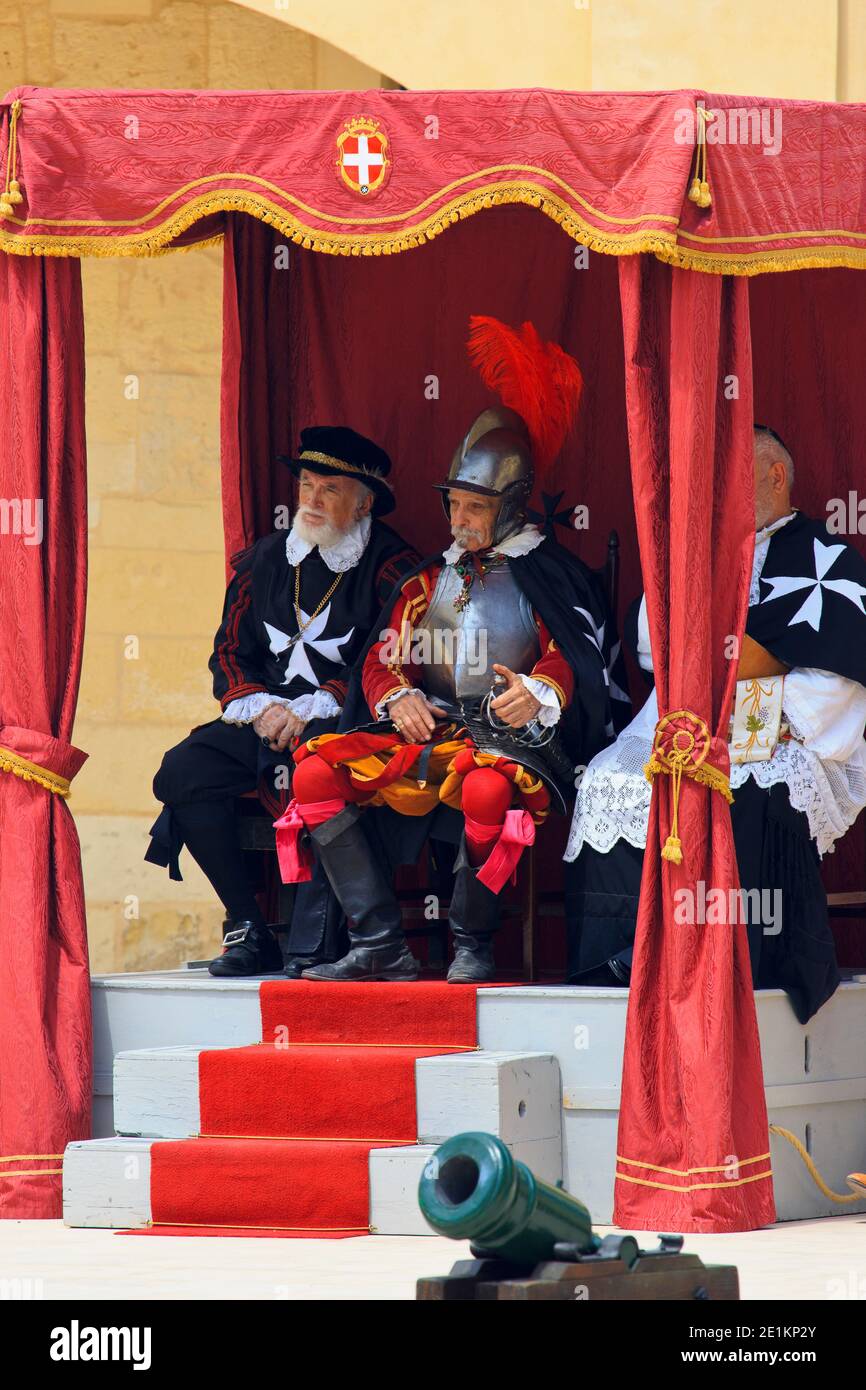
552,667
389,665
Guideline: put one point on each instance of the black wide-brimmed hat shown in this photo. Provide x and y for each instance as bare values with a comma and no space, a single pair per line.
341,452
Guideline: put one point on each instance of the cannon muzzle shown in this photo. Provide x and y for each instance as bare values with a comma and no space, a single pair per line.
472,1189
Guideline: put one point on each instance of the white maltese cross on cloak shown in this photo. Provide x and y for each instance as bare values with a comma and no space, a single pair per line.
811,610
309,636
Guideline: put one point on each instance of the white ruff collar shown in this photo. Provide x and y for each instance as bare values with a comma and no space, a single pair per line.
519,544
340,557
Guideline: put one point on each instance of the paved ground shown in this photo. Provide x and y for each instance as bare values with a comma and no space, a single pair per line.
798,1260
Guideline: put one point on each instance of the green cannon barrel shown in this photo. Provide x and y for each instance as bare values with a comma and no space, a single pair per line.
472,1189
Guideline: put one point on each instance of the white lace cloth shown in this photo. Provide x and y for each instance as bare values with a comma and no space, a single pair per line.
823,766
613,796
318,704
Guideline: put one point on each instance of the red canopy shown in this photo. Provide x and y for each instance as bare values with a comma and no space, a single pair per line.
129,172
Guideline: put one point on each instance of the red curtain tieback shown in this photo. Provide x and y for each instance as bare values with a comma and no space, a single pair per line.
684,747
38,757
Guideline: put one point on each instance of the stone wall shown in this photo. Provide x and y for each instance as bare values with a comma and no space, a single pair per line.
156,574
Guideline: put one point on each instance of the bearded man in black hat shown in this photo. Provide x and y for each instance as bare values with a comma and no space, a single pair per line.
488,681
297,613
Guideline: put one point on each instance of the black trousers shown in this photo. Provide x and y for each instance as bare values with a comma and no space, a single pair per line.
775,853
199,781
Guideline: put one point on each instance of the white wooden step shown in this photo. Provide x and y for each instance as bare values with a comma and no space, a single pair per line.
515,1095
156,1092
106,1182
511,1094
395,1174
814,1077
163,1008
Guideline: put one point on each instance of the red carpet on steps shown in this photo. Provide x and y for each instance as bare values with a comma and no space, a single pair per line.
427,1014
287,1125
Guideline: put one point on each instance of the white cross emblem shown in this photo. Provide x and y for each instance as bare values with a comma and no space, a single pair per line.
299,662
810,611
364,160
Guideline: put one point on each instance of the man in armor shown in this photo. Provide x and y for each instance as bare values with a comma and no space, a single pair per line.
487,684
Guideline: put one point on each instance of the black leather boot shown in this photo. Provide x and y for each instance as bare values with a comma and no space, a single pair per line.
378,947
473,918
250,949
318,932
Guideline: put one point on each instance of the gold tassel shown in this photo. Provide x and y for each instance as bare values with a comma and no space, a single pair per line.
699,188
673,849
11,194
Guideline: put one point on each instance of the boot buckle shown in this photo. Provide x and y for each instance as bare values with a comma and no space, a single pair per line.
235,937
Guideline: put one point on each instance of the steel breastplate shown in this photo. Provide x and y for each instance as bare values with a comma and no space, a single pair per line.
457,648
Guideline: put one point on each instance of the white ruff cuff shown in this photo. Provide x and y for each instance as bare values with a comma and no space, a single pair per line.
550,706
383,707
319,704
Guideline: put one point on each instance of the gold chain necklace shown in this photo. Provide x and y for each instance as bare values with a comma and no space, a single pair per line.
302,627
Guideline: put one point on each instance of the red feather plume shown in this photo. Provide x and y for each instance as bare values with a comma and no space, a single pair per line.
537,379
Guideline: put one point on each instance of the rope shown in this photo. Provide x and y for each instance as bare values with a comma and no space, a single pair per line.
856,1181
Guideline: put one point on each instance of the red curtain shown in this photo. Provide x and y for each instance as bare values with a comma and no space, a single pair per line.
378,343
256,376
693,1146
45,1047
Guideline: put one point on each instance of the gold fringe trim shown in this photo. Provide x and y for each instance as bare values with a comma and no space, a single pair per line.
841,1198
345,243
344,220
661,244
32,772
706,774
759,262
